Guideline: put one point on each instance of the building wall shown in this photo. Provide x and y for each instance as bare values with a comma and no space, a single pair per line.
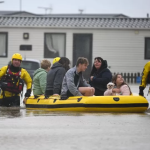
123,49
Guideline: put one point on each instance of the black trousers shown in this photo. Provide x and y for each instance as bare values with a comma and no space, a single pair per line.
99,92
69,93
48,92
10,101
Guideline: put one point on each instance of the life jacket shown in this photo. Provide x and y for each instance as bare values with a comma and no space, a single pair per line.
148,79
13,82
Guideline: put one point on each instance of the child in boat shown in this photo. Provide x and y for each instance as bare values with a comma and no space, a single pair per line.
74,84
55,76
39,78
121,88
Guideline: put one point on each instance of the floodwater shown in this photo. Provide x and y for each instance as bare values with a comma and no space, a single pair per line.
43,130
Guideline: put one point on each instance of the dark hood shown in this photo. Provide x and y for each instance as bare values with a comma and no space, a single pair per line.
104,64
57,64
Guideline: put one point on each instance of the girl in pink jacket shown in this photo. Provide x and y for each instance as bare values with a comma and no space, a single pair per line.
121,88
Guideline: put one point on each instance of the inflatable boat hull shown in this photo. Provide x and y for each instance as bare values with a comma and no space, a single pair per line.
90,104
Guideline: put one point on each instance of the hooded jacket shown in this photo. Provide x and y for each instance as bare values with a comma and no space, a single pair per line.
39,81
55,77
101,78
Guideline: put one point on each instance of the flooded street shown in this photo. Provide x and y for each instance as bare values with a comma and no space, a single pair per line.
43,130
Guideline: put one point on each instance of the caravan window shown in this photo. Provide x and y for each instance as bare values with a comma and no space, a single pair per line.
54,45
3,44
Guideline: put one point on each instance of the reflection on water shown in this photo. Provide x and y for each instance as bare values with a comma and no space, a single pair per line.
22,112
10,112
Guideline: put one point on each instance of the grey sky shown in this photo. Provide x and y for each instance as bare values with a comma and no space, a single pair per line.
132,8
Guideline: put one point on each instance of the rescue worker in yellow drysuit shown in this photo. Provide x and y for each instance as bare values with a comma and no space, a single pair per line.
145,78
12,78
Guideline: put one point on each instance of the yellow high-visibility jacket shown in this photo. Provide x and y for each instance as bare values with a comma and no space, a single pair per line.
145,73
24,76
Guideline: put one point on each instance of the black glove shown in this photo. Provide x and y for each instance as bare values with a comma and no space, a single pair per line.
141,91
3,85
27,94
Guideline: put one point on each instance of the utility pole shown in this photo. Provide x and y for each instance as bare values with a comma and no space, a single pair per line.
46,9
20,5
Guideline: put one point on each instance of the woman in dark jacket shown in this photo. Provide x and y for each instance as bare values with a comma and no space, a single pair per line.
100,76
55,77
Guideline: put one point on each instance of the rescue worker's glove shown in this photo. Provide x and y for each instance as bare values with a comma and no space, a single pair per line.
3,85
27,94
141,91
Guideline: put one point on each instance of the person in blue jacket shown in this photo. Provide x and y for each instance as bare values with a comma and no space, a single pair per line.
100,76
